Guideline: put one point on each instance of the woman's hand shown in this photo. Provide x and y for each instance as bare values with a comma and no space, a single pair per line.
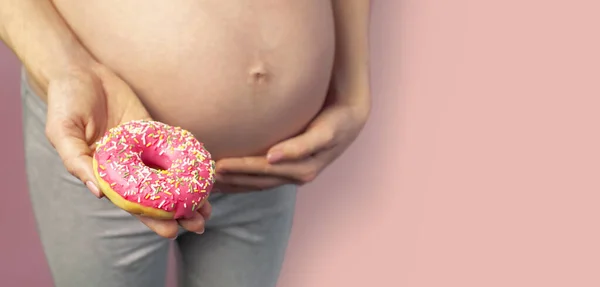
83,104
300,159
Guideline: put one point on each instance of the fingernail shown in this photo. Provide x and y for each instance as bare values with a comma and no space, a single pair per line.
200,232
174,238
274,156
92,187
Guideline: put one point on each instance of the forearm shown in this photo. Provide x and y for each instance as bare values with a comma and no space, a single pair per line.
40,38
351,68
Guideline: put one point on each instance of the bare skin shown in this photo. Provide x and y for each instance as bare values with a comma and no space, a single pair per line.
240,75
276,89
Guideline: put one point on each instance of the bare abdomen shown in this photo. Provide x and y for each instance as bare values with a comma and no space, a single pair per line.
241,76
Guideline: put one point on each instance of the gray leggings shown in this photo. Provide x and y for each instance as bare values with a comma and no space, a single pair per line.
89,242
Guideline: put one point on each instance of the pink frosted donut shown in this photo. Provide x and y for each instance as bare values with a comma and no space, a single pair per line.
153,169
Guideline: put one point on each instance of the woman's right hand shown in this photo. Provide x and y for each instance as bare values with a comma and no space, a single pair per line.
83,104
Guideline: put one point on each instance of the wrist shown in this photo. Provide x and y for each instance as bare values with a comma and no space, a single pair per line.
352,88
63,59
40,74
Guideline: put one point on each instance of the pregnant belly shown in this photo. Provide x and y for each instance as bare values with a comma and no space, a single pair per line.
241,76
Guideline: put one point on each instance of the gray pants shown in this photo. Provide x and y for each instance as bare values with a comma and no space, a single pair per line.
89,242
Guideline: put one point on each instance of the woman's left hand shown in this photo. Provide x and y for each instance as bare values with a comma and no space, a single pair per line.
300,159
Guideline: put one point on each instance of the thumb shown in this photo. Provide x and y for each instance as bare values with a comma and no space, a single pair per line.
313,140
73,103
69,141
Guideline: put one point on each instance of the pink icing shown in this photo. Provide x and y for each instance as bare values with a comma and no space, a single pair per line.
156,165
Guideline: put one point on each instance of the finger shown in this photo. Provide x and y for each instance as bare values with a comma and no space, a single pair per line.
68,138
249,183
302,146
194,224
300,170
249,165
66,127
164,228
206,210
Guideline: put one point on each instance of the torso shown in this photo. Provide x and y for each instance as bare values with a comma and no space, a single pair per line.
240,75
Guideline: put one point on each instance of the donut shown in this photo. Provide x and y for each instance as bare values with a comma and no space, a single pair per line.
152,169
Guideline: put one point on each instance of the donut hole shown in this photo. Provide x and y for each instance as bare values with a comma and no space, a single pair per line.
153,160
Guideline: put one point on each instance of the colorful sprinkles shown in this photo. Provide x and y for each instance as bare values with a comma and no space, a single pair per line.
183,180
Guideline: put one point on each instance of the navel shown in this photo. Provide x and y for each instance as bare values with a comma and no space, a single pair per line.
258,75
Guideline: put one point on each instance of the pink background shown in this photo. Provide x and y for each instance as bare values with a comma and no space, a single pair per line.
482,157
